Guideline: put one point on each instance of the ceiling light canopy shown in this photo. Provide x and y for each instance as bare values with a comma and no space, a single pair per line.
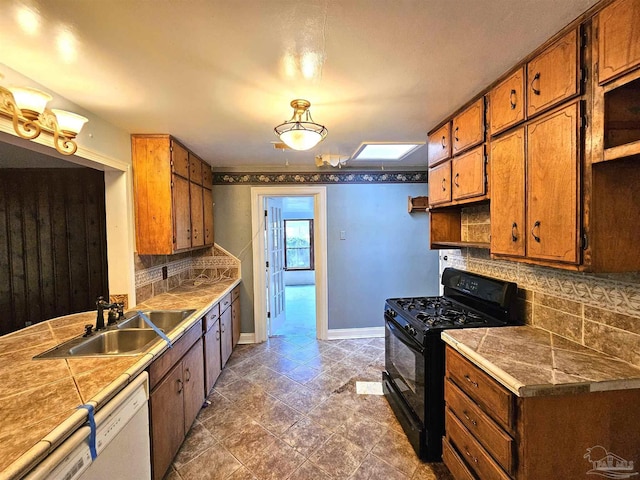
301,132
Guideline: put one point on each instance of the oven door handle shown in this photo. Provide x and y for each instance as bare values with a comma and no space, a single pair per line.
401,335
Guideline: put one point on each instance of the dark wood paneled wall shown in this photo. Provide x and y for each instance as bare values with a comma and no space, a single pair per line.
53,251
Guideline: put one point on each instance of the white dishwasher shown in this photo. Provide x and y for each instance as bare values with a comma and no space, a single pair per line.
122,442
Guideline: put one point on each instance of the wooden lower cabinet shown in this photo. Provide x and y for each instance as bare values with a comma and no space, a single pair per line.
235,315
490,433
176,397
226,335
212,362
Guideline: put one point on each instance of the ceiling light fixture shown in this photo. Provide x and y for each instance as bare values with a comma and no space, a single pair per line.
27,109
301,132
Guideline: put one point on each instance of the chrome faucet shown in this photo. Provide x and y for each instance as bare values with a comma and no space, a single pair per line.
116,312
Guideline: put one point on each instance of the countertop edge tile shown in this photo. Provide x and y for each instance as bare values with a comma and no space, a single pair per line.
27,461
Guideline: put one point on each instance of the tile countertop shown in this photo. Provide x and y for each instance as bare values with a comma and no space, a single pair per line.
39,398
533,362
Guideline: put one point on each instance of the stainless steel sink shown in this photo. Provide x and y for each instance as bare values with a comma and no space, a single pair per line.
116,342
165,320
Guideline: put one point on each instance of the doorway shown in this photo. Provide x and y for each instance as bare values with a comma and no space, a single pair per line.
290,280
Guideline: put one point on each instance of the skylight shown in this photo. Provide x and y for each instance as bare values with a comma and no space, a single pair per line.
385,151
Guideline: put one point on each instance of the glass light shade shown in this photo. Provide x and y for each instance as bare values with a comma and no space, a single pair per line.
300,139
30,101
68,122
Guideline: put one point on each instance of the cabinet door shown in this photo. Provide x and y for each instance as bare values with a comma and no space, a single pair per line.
181,213
195,169
226,338
440,184
207,210
468,177
553,75
207,176
507,194
179,160
235,321
439,147
618,39
193,377
213,366
167,421
506,102
468,127
552,183
197,215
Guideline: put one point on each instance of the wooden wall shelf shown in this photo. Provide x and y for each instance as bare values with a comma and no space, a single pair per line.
441,245
418,204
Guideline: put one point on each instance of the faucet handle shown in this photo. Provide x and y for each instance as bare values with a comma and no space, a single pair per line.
87,330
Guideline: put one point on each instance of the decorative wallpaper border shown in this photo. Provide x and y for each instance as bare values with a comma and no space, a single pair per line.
621,296
315,177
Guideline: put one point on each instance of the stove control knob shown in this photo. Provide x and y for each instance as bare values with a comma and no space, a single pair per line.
392,313
412,331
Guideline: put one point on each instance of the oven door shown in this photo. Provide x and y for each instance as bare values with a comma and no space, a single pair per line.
405,364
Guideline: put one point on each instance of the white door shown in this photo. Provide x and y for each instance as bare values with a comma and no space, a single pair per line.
275,262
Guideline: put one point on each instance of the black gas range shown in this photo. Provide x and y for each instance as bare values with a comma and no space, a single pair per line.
413,380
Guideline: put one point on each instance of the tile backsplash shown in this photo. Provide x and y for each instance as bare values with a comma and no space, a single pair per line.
207,264
599,311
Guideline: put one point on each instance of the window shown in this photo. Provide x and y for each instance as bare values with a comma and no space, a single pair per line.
298,240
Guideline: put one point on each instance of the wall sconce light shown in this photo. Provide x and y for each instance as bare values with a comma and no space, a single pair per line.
301,132
27,109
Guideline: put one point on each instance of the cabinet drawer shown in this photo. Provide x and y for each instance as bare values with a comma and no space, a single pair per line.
496,401
171,356
439,148
440,184
454,463
225,302
468,128
485,430
211,317
468,175
553,75
506,102
471,451
235,293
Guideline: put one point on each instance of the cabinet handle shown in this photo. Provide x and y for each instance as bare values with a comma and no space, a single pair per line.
536,77
179,385
536,225
513,99
444,180
473,422
455,134
466,450
468,379
514,232
455,180
195,233
217,334
188,375
444,143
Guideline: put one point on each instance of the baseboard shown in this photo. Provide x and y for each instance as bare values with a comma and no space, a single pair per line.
246,338
346,333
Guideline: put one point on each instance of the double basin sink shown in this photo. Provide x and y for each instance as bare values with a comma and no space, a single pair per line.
129,336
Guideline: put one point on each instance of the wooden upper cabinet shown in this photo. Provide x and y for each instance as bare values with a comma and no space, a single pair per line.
207,210
440,184
169,207
468,177
553,76
180,164
468,127
195,169
207,176
553,149
439,148
618,27
506,102
508,235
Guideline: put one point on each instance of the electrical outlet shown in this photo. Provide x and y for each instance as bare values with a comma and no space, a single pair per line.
165,273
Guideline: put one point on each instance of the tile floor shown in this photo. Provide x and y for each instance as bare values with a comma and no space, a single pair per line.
288,409
300,312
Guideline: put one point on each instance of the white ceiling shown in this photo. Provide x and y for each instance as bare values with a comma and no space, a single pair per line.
219,74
